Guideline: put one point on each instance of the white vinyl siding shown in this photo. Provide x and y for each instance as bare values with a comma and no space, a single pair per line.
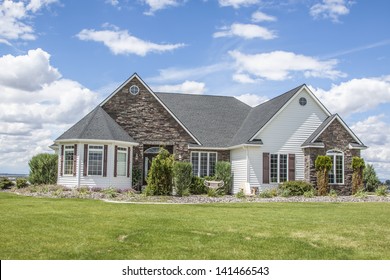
239,168
120,182
286,133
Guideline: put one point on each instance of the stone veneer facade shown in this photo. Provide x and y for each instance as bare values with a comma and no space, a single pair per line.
150,124
334,137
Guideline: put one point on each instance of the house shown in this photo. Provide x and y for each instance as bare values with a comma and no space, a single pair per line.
276,141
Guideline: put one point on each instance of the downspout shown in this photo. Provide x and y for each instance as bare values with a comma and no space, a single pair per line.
131,167
79,164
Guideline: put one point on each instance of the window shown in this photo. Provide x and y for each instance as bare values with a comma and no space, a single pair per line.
95,160
278,168
134,90
121,161
68,159
336,174
203,163
302,101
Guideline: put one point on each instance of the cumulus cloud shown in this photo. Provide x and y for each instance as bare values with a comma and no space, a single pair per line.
15,16
237,3
251,99
31,117
121,42
356,95
280,65
156,5
186,87
331,9
375,133
246,31
20,69
259,16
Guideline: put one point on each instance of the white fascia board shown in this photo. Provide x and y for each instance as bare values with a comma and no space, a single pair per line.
357,148
288,102
314,146
135,75
96,141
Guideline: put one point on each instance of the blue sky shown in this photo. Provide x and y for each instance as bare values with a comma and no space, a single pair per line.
59,59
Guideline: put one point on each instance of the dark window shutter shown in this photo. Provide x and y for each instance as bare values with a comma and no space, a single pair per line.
85,168
291,167
128,161
115,160
265,168
75,160
105,161
62,160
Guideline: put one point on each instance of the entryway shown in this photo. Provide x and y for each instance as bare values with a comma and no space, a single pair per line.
149,153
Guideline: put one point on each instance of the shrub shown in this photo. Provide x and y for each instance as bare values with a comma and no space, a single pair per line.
268,193
21,183
43,169
223,172
333,193
240,194
381,191
309,194
357,176
212,192
5,183
323,164
110,192
370,178
182,174
197,186
295,188
161,173
361,194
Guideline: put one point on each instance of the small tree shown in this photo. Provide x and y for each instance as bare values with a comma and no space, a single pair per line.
357,176
43,169
323,164
160,174
223,172
182,177
370,178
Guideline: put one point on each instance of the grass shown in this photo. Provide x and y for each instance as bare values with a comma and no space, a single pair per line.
44,228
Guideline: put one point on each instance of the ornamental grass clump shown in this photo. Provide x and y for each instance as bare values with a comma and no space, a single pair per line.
295,188
323,164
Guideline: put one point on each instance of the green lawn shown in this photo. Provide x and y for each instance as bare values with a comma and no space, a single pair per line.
40,228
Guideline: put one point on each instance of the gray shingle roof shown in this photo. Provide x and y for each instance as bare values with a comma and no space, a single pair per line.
213,120
97,125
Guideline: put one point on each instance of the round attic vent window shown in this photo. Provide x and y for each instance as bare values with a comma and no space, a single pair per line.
134,90
302,101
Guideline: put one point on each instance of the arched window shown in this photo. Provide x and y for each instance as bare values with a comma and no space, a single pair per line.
336,174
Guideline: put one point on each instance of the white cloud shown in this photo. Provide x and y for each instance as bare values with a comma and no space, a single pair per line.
280,65
15,19
19,69
112,2
237,3
259,16
332,9
156,5
31,117
356,95
375,133
247,31
191,87
121,42
251,99
243,78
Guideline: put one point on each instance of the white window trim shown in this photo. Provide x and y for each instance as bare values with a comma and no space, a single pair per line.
336,153
94,150
64,159
126,156
208,161
278,168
